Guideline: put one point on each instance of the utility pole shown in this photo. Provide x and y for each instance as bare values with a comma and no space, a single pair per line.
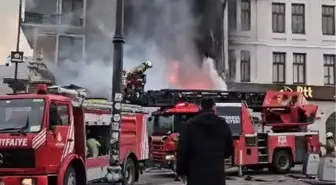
17,57
115,170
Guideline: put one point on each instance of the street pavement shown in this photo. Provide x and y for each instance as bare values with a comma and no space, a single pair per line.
163,177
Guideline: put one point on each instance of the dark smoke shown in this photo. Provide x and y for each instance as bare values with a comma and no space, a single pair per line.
161,31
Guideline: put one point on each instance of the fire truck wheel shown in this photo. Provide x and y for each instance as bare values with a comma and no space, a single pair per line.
70,177
282,162
130,172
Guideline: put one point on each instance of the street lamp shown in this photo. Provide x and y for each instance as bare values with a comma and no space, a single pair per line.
17,56
115,170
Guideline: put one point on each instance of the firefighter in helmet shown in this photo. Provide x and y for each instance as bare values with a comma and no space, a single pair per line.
142,68
330,145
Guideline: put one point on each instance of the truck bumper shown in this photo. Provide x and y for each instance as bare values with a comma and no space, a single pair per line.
164,164
23,180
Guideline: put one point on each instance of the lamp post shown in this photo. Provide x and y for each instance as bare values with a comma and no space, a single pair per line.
17,56
115,170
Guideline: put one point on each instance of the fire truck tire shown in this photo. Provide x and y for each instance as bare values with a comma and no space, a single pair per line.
129,171
282,162
70,177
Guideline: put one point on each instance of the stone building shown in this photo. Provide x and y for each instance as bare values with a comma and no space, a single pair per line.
281,43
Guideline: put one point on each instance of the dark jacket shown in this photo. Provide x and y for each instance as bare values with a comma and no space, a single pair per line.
204,143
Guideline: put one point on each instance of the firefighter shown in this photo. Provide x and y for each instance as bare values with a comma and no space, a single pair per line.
205,142
330,145
141,68
92,145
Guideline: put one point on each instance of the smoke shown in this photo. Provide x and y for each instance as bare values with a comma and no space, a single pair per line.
209,68
161,31
29,4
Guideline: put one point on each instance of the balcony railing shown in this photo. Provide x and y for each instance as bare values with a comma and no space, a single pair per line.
52,19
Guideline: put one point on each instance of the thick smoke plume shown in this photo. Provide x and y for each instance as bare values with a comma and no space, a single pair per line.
161,31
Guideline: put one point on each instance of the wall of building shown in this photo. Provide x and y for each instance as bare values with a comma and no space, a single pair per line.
261,41
326,109
9,12
93,36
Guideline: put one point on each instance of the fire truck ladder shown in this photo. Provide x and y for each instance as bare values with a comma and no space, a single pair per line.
169,97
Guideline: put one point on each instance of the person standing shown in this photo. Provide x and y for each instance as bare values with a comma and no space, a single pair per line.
330,145
204,144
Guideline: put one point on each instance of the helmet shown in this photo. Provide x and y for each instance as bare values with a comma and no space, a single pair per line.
329,134
148,63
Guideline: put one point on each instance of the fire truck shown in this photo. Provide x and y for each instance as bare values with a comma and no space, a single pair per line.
43,138
279,145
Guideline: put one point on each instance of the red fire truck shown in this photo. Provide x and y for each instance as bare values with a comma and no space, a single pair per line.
43,138
286,114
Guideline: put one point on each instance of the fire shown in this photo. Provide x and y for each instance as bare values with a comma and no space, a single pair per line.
188,77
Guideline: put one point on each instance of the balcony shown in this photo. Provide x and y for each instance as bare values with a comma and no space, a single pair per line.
69,19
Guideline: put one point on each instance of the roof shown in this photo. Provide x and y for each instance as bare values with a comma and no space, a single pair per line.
8,72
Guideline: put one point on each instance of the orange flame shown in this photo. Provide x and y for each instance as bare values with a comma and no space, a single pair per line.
186,78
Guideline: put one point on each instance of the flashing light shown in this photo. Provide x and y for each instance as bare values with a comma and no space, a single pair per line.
42,88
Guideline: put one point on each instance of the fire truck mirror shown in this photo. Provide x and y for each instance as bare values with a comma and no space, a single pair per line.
150,119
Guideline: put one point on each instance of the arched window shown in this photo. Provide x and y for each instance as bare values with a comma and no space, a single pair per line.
331,123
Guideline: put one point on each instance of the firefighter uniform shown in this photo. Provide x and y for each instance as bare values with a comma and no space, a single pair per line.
93,147
330,145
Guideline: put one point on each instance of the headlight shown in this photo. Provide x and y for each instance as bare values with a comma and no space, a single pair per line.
28,181
170,157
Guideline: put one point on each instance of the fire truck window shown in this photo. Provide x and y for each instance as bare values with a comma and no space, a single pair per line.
163,124
63,113
26,114
59,114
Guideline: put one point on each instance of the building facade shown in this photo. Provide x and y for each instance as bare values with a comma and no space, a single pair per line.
8,39
276,43
9,30
70,29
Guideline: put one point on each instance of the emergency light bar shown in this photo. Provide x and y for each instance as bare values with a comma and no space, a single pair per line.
169,97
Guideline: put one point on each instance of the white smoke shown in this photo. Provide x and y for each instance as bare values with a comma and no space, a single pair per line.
162,32
209,67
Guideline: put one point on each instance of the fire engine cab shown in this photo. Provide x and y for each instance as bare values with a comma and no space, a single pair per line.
44,138
279,145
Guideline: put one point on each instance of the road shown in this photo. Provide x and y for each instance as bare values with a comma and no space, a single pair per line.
161,177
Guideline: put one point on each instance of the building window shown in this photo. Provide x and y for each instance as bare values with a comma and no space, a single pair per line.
245,66
328,20
46,45
329,69
70,48
298,18
299,68
278,17
279,61
232,65
245,15
232,14
73,12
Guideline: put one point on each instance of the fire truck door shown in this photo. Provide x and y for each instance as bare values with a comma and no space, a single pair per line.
60,136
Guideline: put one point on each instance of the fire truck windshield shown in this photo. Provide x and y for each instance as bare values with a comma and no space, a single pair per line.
21,115
169,123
